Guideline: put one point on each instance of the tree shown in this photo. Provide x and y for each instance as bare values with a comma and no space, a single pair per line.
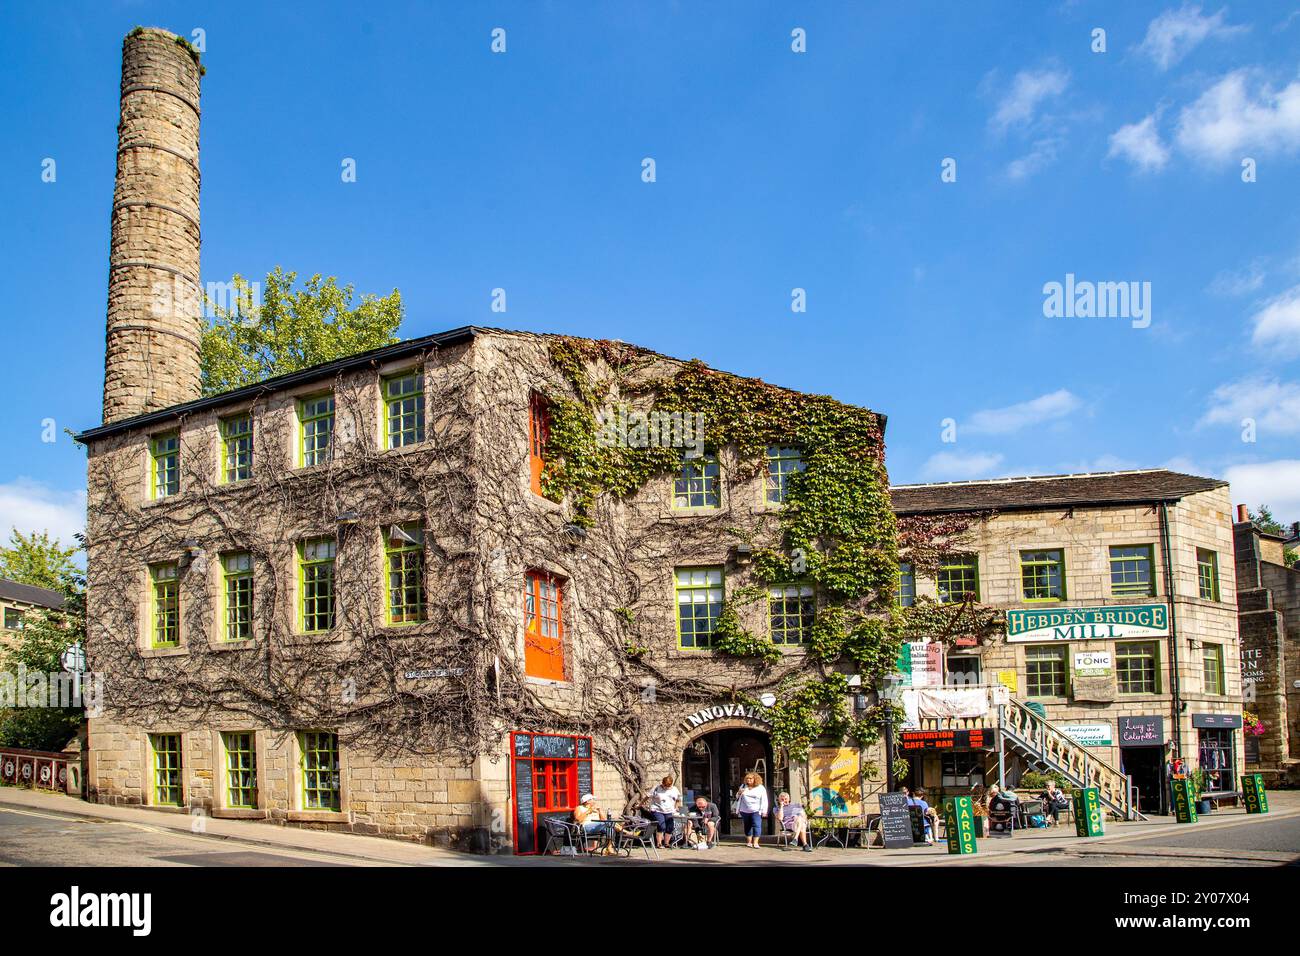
1264,521
40,560
291,329
39,650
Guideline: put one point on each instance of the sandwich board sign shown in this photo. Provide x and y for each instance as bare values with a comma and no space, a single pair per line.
1087,812
1252,790
959,817
1184,802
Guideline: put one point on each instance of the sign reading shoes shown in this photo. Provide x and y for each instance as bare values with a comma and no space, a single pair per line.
1088,623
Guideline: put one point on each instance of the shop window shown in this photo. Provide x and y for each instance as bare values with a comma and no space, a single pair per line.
698,483
1130,570
320,770
165,465
782,463
791,609
1045,674
316,585
963,670
404,556
1042,575
165,607
961,770
315,430
1137,667
1207,574
1212,668
166,750
544,628
699,604
241,770
404,402
906,585
1217,759
539,432
237,571
958,578
236,448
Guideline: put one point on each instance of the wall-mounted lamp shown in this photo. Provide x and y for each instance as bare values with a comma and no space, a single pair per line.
744,553
575,531
348,517
768,700
189,551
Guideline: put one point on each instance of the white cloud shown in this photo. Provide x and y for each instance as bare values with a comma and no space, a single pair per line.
1230,120
1029,90
1140,144
1175,33
1041,155
31,506
1277,324
1274,405
1241,282
1272,483
958,466
1012,418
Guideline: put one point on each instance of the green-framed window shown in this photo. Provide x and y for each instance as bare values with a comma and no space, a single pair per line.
1207,574
165,465
791,609
699,603
237,574
164,606
698,483
241,770
906,584
1042,575
166,750
404,404
315,430
14,619
320,770
1045,673
958,578
1131,570
782,462
404,552
1137,667
1212,668
237,448
316,584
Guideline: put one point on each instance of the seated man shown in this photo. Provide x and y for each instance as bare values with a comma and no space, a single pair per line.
793,819
1054,801
591,819
709,817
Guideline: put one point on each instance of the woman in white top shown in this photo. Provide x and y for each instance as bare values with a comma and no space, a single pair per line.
752,805
664,800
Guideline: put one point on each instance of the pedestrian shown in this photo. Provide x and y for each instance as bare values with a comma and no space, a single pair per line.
752,805
664,801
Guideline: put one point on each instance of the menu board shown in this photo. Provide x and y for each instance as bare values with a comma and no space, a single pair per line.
554,746
895,821
584,778
524,828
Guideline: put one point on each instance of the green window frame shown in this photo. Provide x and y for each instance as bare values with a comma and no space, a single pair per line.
236,448
699,593
14,619
315,430
316,596
319,765
1131,570
166,751
164,606
1207,574
791,609
404,557
958,578
237,588
1042,575
404,406
1045,670
906,584
165,465
782,462
1137,667
241,770
698,483
1212,669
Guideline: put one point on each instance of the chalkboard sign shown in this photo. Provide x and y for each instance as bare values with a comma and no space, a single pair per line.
584,778
524,829
553,747
584,747
523,745
918,824
895,821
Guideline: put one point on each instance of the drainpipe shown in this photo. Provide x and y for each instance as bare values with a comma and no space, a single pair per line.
1175,685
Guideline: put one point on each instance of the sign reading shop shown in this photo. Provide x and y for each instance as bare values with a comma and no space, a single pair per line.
725,712
1088,623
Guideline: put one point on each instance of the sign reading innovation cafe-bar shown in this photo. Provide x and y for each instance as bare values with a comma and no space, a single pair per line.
1088,623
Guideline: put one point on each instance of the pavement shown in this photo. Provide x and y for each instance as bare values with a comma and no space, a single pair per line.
50,829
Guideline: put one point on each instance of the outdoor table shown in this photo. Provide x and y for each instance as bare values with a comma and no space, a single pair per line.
831,833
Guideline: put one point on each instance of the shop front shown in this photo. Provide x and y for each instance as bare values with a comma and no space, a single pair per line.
726,742
549,773
1142,747
949,763
1216,750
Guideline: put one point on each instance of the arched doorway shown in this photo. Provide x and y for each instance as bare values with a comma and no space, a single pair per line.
715,763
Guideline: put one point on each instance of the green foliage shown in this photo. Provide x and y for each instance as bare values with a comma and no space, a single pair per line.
809,709
734,640
292,329
41,643
39,560
1035,781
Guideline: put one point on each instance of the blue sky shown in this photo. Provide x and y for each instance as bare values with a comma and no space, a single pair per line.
775,170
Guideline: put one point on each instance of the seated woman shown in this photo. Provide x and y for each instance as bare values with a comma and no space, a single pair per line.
1054,801
791,816
590,818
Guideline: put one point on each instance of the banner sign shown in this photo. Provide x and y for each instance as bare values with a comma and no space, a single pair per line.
1184,801
1093,663
836,780
1088,735
1087,812
1088,623
944,739
1142,731
1252,790
1217,720
959,817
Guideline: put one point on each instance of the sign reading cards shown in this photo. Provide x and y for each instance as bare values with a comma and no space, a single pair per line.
1088,623
1088,735
1093,663
1252,790
959,818
1087,812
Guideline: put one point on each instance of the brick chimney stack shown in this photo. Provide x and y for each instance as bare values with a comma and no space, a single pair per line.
154,296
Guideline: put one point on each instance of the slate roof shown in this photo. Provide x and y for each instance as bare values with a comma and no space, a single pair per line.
30,594
1050,491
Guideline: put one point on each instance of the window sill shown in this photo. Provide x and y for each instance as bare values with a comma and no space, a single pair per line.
546,681
247,644
164,651
161,502
546,504
238,813
317,816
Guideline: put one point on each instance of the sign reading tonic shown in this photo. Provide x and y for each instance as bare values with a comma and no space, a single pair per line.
959,817
1252,789
1087,812
1088,623
1184,801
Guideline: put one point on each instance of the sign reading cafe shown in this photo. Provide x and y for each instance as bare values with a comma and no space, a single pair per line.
1088,623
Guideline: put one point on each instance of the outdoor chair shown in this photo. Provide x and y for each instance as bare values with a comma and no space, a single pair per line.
562,834
638,832
1002,817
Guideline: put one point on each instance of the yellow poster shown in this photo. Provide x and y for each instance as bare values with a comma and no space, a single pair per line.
1008,679
836,786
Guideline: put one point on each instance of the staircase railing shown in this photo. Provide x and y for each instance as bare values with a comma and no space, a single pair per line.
1039,740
